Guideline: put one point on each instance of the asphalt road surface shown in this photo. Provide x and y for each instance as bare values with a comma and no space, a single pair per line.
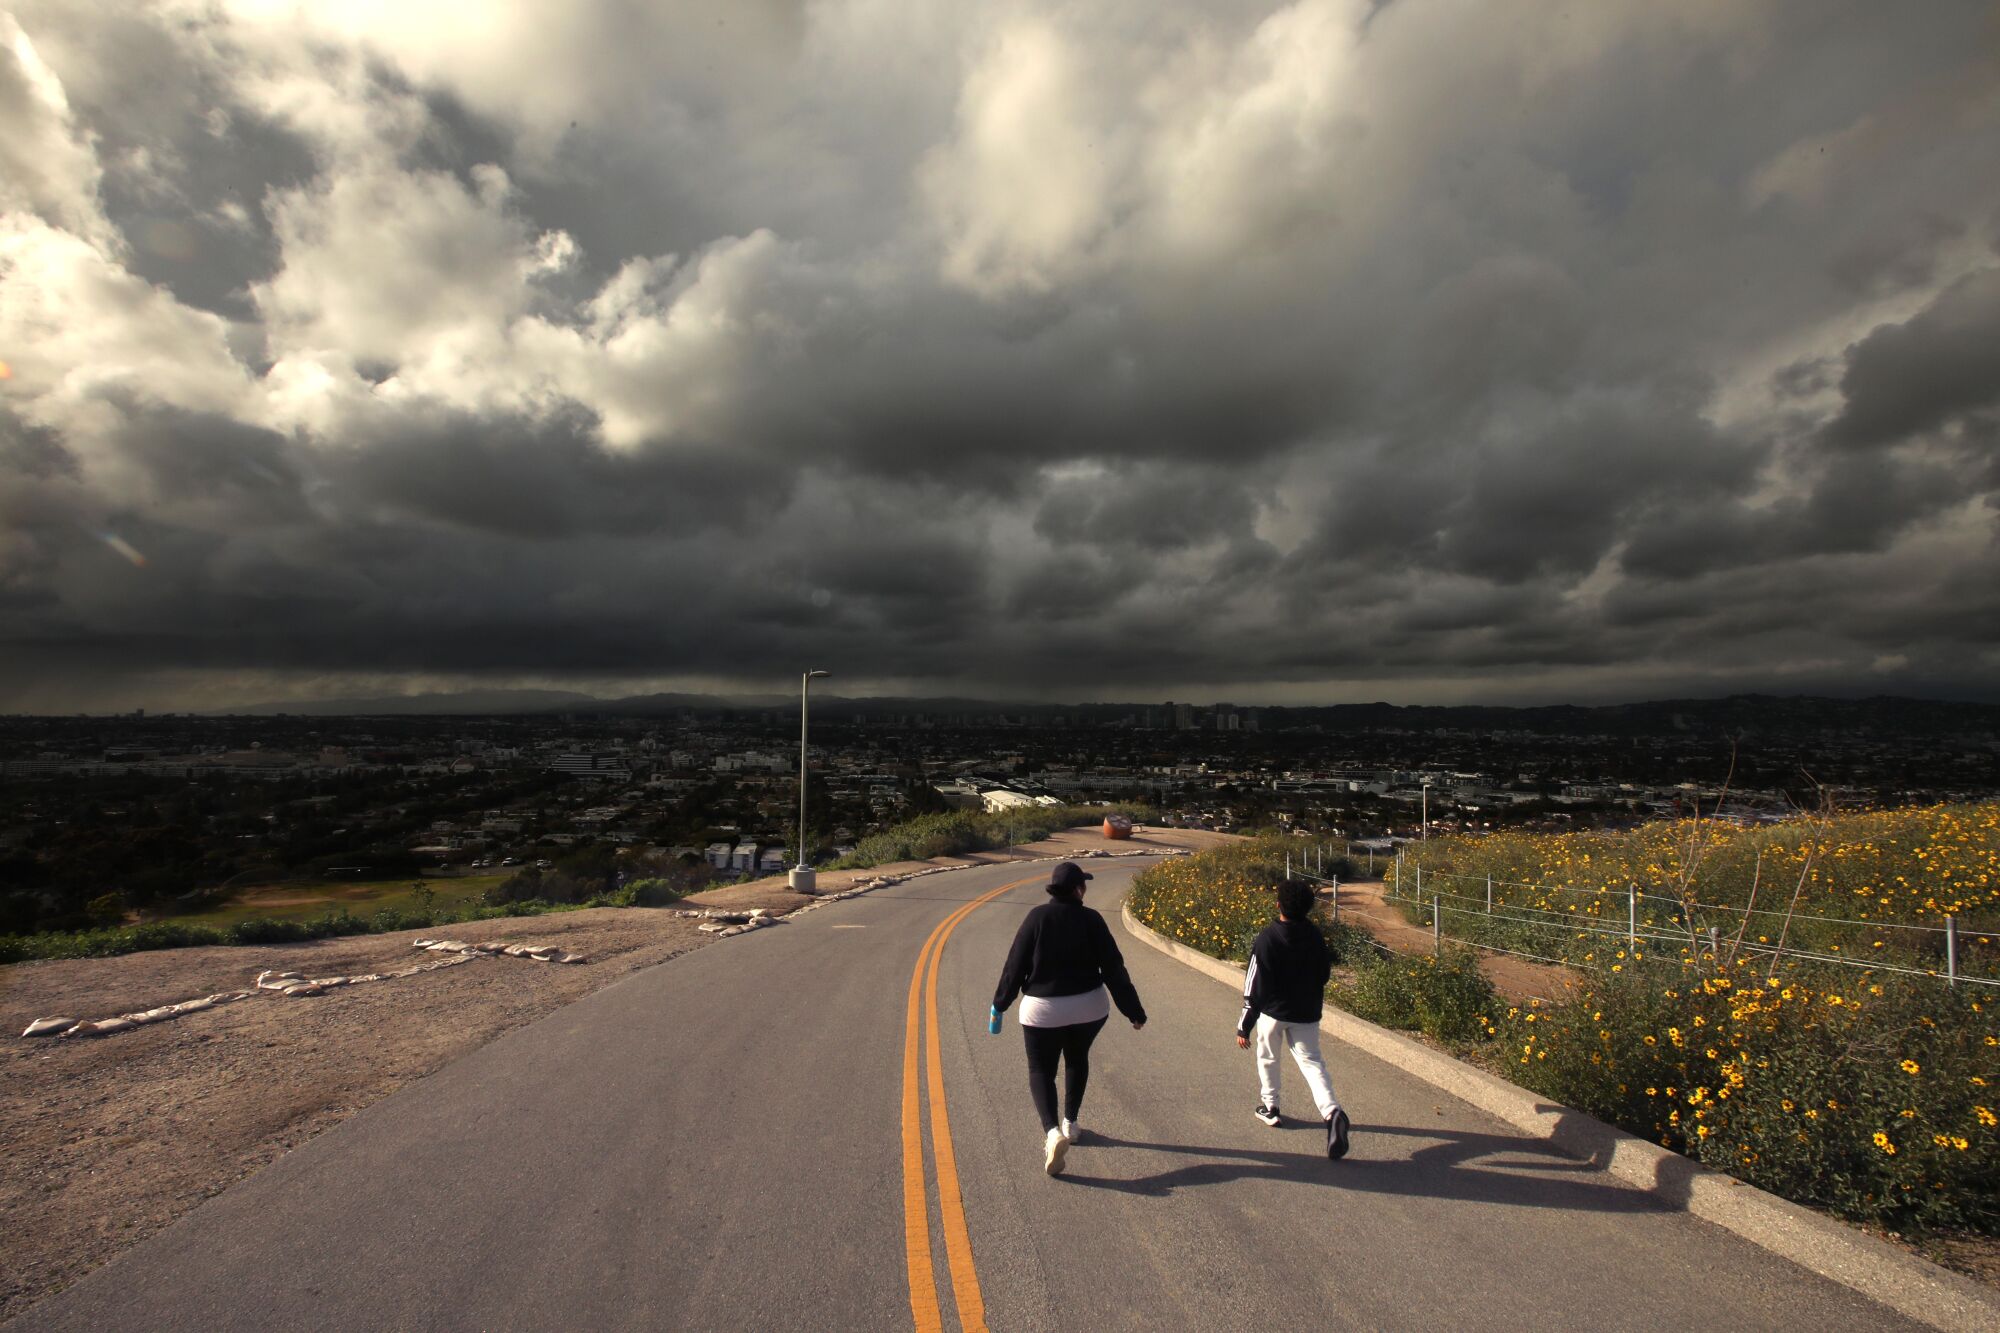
724,1142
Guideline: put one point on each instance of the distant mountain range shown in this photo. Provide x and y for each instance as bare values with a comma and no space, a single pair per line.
485,703
1737,714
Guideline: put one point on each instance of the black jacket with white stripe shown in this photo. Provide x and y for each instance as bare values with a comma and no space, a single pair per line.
1289,967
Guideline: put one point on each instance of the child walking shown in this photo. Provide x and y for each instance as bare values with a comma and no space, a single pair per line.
1282,999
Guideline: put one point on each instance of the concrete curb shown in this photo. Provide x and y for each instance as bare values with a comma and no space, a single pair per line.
1911,1286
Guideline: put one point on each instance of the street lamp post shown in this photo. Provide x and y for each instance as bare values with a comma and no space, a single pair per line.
803,879
1424,829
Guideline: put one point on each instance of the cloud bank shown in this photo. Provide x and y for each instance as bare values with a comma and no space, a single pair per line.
1417,350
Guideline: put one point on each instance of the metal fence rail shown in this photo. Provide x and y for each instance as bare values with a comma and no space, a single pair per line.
1311,863
1951,976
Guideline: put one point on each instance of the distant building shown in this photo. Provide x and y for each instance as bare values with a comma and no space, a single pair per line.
959,795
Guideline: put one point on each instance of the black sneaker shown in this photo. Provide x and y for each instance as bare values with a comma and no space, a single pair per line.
1267,1114
1336,1134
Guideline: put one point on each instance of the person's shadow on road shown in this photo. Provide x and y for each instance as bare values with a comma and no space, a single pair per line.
1483,1168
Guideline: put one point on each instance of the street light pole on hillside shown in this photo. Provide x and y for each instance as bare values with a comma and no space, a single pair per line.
1424,828
802,873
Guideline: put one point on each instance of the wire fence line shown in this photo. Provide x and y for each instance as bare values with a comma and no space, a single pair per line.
1649,934
1313,860
1682,903
1311,864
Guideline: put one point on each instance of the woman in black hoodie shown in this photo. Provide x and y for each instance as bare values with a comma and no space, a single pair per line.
1061,965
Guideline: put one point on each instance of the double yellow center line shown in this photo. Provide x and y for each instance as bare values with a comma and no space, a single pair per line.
925,1306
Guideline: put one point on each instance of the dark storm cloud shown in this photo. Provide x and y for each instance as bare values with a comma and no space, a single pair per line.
206,459
1009,348
548,480
1908,378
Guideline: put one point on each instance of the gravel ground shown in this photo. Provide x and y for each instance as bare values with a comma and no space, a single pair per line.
110,1139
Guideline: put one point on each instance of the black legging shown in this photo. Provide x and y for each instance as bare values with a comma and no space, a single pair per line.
1072,1044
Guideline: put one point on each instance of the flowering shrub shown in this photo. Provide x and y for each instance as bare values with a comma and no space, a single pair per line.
1869,1094
1215,901
1871,872
1874,1100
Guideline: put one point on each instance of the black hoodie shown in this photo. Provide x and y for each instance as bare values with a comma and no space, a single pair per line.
1289,967
1064,948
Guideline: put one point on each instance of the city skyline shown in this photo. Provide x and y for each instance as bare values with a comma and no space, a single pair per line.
1281,354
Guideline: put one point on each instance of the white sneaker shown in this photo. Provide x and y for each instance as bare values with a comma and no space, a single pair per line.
1054,1148
1070,1131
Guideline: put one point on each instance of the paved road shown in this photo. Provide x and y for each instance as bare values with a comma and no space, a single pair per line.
718,1143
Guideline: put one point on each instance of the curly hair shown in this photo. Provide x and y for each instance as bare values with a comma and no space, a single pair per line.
1295,899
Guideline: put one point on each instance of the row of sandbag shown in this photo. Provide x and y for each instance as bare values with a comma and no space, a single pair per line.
295,984
101,1027
541,953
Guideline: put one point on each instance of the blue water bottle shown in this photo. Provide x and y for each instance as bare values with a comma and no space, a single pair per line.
993,1021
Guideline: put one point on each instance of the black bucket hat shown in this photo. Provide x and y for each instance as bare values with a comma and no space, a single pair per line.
1066,876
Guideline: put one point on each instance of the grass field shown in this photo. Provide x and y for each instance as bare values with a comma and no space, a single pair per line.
301,901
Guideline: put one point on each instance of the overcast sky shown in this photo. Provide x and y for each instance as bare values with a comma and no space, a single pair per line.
1422,351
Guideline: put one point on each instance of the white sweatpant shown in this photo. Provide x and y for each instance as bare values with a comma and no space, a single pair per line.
1303,1039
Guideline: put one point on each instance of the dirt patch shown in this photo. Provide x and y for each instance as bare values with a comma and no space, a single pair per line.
109,1139
1362,903
1977,1257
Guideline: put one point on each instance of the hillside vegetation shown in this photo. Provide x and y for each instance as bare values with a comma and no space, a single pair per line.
955,832
1862,1090
1874,886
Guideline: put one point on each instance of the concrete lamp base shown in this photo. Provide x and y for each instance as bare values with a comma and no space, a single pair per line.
804,879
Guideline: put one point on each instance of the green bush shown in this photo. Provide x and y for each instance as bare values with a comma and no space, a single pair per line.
107,943
653,892
265,931
1446,997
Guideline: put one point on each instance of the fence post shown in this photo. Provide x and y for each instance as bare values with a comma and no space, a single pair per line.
1288,865
1714,944
1632,916
1437,926
1420,884
1951,950
1489,895
1335,900
1371,863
